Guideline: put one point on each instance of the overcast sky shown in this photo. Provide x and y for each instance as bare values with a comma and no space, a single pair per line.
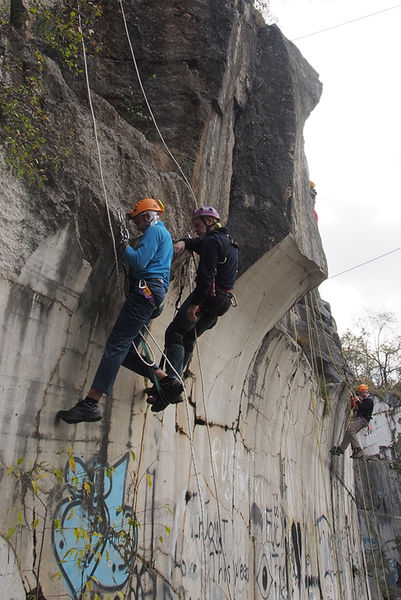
353,146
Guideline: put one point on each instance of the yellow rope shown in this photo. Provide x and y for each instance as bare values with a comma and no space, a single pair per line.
367,474
329,512
369,531
376,527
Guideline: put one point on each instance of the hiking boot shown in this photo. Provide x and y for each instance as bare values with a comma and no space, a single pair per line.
171,387
160,403
170,393
357,453
336,450
85,410
154,398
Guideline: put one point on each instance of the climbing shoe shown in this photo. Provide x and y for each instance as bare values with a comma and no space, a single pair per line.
153,399
336,450
357,453
85,410
170,393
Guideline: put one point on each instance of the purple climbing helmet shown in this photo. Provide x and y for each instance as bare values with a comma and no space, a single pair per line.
206,211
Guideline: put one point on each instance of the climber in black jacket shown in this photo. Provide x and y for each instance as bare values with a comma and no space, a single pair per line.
211,298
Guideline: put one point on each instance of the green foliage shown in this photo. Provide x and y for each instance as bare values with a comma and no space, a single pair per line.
374,354
32,144
65,26
39,484
23,119
3,13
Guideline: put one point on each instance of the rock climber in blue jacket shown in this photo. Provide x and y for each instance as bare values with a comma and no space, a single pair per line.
150,274
211,298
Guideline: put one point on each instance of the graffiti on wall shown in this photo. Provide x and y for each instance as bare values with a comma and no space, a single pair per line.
94,534
283,568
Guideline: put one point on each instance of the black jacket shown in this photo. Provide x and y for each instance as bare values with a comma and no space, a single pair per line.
365,408
218,262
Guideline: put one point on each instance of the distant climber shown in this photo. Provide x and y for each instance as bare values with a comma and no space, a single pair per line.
150,274
211,298
362,407
313,194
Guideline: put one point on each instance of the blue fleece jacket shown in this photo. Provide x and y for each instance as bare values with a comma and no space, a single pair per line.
152,258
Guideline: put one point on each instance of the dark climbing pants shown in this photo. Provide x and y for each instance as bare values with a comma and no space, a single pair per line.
135,314
181,334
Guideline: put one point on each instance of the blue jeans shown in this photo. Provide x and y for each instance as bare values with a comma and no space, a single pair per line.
136,312
181,335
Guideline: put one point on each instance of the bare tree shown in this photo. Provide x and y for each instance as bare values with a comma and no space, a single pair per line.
374,354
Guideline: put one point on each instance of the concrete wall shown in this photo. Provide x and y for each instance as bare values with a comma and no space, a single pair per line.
232,494
232,489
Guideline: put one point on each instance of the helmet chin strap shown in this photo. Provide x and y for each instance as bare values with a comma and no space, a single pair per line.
213,224
153,218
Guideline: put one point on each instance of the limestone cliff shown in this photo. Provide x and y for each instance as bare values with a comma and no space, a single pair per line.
230,494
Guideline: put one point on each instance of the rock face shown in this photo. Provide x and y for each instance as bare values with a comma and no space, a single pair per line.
225,495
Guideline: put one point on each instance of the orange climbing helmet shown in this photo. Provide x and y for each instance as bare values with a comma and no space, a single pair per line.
362,388
146,204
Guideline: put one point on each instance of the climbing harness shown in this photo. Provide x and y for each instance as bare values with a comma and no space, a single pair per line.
147,292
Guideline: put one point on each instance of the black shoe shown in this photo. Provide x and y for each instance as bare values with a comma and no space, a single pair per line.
170,393
85,410
357,453
171,387
336,450
162,402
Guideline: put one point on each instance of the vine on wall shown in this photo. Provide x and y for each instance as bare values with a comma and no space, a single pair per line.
32,143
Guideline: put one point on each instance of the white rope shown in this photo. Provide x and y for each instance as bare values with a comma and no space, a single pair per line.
149,107
212,465
190,432
152,364
97,141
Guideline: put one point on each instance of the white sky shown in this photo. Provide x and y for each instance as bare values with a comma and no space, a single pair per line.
353,142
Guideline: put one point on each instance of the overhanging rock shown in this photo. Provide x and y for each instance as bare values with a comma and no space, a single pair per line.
265,292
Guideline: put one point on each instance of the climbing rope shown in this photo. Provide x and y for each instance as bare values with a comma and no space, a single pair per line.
97,141
322,328
376,526
212,464
329,512
148,104
193,458
330,518
208,434
369,531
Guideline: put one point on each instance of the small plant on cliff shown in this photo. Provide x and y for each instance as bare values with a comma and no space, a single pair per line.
31,142
25,122
64,26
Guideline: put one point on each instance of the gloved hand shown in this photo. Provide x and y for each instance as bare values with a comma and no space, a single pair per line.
124,241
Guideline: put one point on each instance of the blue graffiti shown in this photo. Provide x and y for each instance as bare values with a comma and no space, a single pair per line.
94,535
